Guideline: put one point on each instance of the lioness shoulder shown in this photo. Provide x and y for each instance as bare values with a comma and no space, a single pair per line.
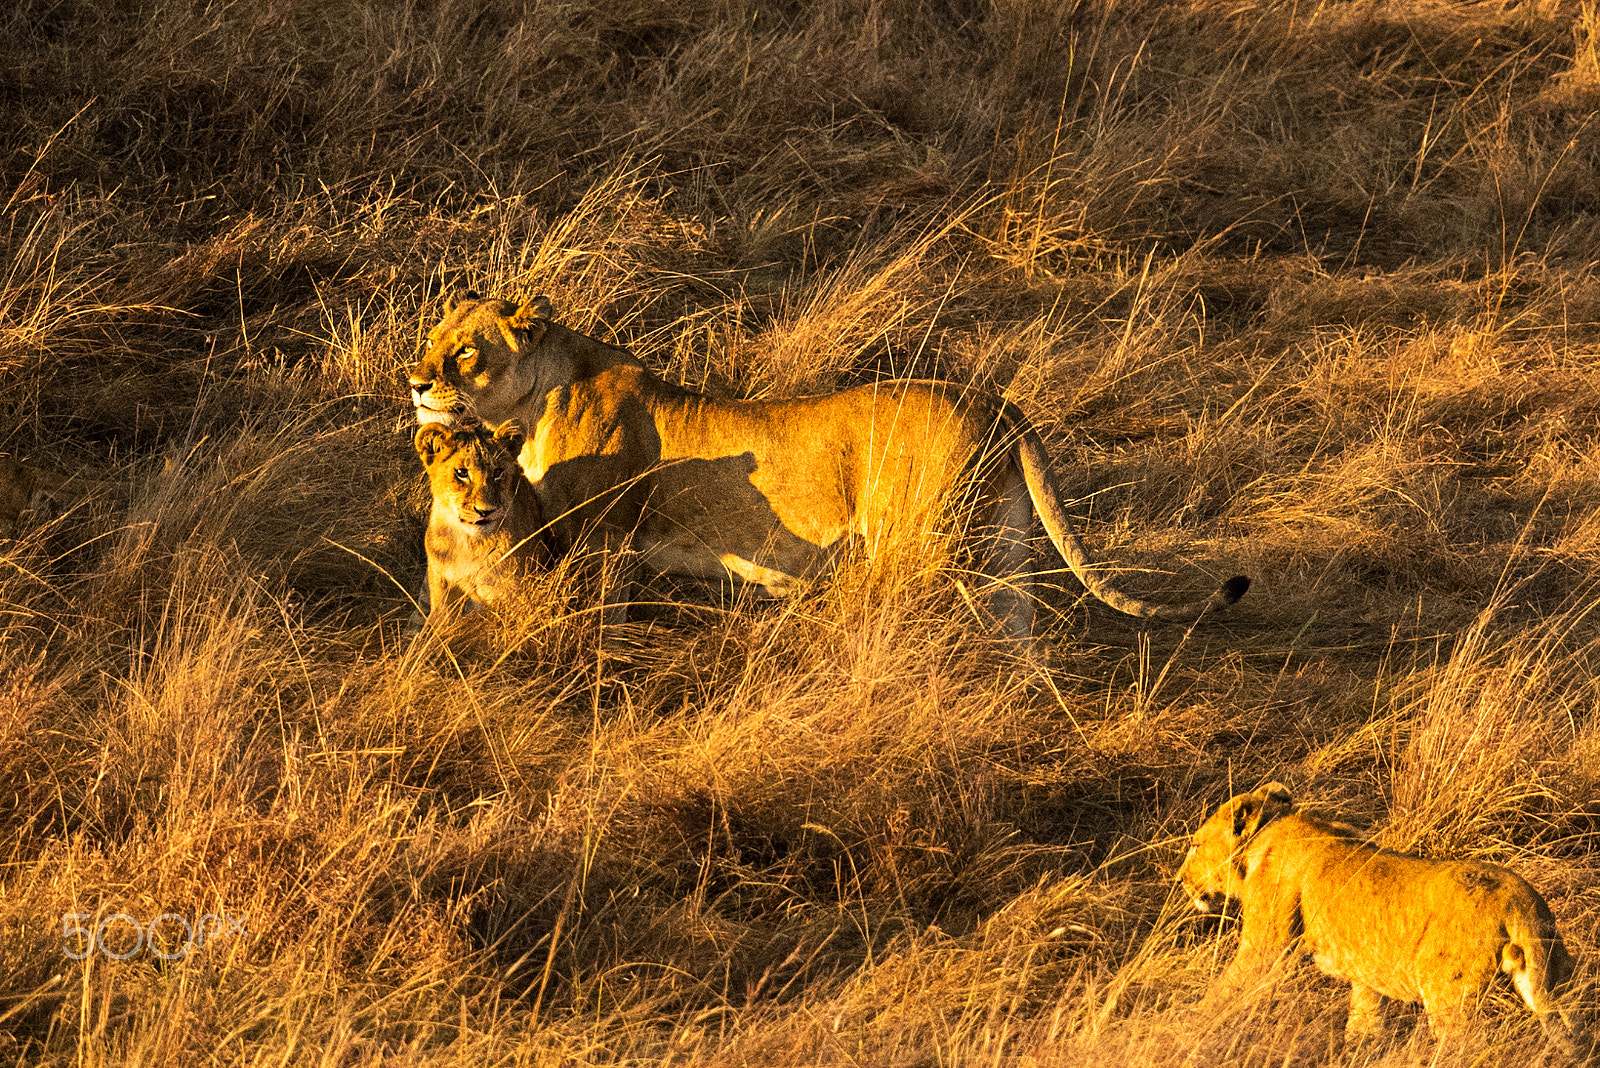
1395,926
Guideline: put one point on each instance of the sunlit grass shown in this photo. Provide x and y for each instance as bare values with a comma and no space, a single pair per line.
1304,292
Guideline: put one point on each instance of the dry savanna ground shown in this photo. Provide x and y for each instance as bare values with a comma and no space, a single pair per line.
1301,288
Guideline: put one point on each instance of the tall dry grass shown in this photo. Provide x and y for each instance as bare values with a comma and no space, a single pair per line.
1305,291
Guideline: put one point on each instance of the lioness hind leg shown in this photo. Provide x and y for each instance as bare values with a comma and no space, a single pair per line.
773,583
1008,565
1367,1019
614,572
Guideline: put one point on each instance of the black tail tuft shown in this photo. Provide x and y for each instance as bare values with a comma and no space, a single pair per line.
1235,588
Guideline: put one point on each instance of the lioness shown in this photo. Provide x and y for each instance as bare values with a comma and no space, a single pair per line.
484,528
1395,926
763,491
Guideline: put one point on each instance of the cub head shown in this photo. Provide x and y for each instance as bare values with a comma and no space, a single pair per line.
472,471
1213,870
24,494
471,366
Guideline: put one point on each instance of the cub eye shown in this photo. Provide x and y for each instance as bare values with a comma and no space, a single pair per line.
463,475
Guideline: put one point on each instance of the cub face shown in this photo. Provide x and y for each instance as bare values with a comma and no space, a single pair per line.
1213,872
473,473
20,492
470,364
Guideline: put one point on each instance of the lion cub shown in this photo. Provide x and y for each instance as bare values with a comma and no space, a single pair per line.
1395,926
25,493
484,529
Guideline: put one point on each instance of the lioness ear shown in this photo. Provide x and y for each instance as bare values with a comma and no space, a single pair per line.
1275,793
430,440
532,311
459,297
533,317
511,435
524,326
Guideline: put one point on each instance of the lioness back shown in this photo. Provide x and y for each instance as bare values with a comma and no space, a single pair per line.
1396,926
761,491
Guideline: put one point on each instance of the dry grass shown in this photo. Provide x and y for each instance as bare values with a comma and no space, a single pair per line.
1301,290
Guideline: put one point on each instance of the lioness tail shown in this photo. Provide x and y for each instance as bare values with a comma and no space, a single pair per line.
1047,503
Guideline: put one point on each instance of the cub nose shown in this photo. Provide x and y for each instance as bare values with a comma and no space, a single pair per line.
481,510
419,388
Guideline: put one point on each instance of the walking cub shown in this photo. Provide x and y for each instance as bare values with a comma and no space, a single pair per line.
1395,926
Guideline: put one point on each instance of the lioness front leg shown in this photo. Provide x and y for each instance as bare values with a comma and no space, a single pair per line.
608,575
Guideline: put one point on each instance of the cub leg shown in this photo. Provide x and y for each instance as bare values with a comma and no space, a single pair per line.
1367,1018
1445,1004
424,608
445,596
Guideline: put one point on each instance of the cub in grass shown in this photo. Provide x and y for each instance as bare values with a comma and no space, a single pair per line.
1395,926
484,530
25,494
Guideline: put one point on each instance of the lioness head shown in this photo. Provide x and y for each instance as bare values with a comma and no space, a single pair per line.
470,365
1213,870
473,472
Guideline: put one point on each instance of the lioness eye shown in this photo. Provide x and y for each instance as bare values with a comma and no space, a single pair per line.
467,360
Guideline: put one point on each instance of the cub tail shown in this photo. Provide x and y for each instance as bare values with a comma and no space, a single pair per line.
1540,968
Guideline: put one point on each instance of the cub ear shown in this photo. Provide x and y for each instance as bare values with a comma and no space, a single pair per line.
1256,810
430,441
